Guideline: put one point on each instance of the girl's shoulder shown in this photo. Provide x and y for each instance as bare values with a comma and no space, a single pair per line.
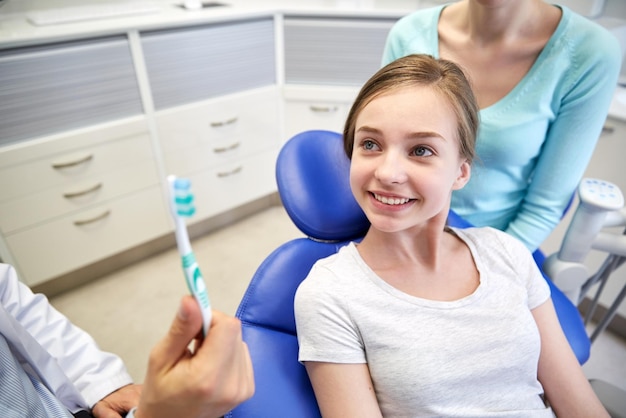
492,243
335,270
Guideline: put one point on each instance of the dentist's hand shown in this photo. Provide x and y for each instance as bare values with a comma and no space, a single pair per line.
118,403
207,382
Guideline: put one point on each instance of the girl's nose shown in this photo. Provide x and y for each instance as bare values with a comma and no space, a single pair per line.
391,169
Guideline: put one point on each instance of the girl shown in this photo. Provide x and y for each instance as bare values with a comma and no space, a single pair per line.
419,319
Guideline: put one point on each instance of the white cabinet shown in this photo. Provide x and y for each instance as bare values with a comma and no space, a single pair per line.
217,109
89,127
76,161
72,199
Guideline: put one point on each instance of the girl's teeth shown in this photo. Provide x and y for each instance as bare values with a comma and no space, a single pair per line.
391,200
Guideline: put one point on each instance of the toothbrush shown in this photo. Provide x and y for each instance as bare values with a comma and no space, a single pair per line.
181,206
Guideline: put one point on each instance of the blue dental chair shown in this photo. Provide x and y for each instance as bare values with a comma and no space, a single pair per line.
312,176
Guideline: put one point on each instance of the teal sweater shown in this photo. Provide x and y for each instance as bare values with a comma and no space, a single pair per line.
534,144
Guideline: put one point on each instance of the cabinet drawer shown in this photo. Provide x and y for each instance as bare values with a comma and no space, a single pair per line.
58,201
306,115
77,240
231,185
64,161
196,137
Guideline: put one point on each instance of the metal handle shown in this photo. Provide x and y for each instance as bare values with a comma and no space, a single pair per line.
94,219
228,148
71,195
324,109
224,123
229,173
82,160
606,129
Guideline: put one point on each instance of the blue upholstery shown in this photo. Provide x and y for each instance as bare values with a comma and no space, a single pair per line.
314,186
313,183
269,329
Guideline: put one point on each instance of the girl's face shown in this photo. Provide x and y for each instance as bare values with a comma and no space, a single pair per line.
405,160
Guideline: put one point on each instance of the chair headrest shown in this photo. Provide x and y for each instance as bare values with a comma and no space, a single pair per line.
312,173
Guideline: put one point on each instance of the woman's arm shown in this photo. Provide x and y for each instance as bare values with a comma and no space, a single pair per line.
567,389
343,390
584,96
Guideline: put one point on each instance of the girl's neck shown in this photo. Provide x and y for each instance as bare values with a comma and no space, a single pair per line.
421,246
434,264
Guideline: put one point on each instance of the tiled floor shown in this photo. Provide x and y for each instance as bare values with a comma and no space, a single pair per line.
128,311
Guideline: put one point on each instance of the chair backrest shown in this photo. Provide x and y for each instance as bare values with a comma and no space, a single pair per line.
312,173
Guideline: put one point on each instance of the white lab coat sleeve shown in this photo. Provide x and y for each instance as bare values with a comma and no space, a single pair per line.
95,373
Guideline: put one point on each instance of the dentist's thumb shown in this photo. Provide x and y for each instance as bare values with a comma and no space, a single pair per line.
186,326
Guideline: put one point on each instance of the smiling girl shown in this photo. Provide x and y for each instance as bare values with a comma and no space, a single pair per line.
419,319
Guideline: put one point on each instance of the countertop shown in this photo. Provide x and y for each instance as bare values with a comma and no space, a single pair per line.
16,30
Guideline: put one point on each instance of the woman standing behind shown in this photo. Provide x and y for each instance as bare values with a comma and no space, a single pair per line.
543,77
418,319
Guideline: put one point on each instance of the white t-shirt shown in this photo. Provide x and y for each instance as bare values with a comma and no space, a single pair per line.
473,357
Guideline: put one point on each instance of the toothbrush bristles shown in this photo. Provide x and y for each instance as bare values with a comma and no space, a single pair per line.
183,197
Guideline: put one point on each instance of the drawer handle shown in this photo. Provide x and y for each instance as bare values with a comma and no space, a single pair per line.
231,147
229,173
324,109
58,166
71,195
94,219
224,123
606,129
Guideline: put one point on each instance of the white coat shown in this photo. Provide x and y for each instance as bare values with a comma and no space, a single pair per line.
66,359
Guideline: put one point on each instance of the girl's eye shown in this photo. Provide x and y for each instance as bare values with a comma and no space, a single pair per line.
422,152
369,145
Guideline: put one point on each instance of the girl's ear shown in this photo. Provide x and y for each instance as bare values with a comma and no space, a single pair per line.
465,171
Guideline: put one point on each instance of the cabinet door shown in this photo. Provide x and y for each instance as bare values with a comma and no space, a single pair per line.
58,87
308,107
333,51
229,185
193,64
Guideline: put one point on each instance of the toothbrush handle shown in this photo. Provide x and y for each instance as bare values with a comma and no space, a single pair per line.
197,287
